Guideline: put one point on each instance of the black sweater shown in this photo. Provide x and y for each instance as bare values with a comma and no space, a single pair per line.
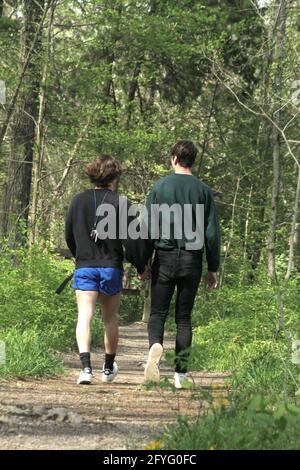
107,252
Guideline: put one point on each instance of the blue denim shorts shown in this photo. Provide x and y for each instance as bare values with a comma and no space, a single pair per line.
108,281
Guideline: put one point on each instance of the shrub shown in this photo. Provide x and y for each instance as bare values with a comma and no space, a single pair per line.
27,354
28,280
32,313
250,426
236,329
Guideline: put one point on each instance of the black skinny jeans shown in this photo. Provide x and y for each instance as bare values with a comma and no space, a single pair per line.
170,269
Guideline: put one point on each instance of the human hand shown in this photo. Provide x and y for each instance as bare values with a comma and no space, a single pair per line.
146,274
211,280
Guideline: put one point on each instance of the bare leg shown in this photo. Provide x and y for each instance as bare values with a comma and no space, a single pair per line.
110,308
86,301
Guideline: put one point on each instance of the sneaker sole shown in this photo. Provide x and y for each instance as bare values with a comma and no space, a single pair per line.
84,382
107,381
151,370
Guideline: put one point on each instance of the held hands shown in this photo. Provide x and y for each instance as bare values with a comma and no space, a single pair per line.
146,274
211,281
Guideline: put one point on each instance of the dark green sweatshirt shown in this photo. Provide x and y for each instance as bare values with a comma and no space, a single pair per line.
187,189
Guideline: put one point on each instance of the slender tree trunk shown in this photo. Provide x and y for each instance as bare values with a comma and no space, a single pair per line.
207,131
127,276
147,302
40,136
30,52
18,188
247,221
150,96
264,149
108,82
233,213
294,231
259,196
297,248
276,136
133,85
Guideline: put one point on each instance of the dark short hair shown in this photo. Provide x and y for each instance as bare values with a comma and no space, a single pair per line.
104,170
186,153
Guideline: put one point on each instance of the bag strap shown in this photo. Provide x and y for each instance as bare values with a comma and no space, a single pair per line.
64,284
95,207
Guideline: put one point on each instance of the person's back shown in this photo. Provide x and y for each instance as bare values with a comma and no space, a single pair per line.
108,252
99,257
188,193
182,221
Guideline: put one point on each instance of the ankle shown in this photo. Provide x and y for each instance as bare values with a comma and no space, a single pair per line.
109,361
85,359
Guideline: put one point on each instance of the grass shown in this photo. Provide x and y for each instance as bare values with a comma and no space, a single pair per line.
236,330
36,323
27,354
249,425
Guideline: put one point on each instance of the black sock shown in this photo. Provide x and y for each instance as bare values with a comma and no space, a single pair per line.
85,359
109,361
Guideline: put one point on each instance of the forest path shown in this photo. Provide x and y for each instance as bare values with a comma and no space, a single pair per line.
55,413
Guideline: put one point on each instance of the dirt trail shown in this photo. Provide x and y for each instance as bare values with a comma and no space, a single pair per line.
57,414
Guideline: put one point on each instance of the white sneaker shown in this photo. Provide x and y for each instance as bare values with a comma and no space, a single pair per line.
109,375
154,357
85,376
181,380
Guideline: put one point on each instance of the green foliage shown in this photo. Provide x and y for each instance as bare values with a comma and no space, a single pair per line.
191,66
163,384
33,315
249,426
36,316
27,295
239,333
28,354
9,25
131,308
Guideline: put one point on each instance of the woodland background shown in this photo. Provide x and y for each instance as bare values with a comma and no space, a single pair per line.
129,78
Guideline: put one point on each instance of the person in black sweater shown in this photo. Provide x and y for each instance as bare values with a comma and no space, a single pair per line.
99,255
178,257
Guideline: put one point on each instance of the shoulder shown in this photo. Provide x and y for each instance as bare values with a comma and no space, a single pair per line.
81,196
204,187
162,181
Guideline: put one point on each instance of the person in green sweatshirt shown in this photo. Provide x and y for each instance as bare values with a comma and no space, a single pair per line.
179,236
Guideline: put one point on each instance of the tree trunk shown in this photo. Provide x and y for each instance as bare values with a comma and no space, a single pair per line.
207,131
133,85
108,82
247,220
264,149
231,234
294,231
147,303
40,136
276,136
18,188
28,60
